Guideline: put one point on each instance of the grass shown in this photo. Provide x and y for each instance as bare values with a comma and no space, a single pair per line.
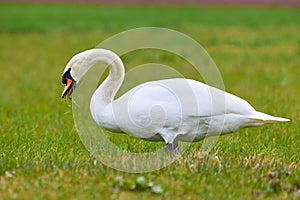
65,17
41,156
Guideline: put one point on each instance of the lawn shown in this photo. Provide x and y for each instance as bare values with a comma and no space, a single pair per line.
41,156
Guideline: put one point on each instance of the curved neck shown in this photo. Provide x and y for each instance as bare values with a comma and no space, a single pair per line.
107,90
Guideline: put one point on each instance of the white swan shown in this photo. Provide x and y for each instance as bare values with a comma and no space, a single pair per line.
169,110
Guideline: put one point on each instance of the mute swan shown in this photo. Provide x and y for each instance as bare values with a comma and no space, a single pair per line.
169,110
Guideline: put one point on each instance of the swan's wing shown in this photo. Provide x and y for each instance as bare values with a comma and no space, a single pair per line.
199,99
184,97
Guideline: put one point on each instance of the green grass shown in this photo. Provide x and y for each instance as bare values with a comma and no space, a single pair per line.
41,156
47,18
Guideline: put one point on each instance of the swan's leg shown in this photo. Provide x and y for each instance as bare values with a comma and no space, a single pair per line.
168,147
172,147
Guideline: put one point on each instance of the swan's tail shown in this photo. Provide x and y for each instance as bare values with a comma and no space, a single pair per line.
265,118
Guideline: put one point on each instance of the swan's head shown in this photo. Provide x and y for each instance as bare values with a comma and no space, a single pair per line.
73,72
69,82
80,64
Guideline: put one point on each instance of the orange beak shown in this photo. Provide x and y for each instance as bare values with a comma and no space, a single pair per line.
69,88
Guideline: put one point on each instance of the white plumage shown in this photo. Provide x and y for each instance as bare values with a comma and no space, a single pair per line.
169,110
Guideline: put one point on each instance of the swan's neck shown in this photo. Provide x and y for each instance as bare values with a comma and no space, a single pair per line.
85,60
106,92
101,102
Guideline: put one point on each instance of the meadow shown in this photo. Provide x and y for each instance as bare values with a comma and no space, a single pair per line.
41,156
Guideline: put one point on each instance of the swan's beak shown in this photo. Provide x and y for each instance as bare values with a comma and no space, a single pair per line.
69,88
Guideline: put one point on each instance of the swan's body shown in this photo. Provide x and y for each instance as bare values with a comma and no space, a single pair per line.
169,110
